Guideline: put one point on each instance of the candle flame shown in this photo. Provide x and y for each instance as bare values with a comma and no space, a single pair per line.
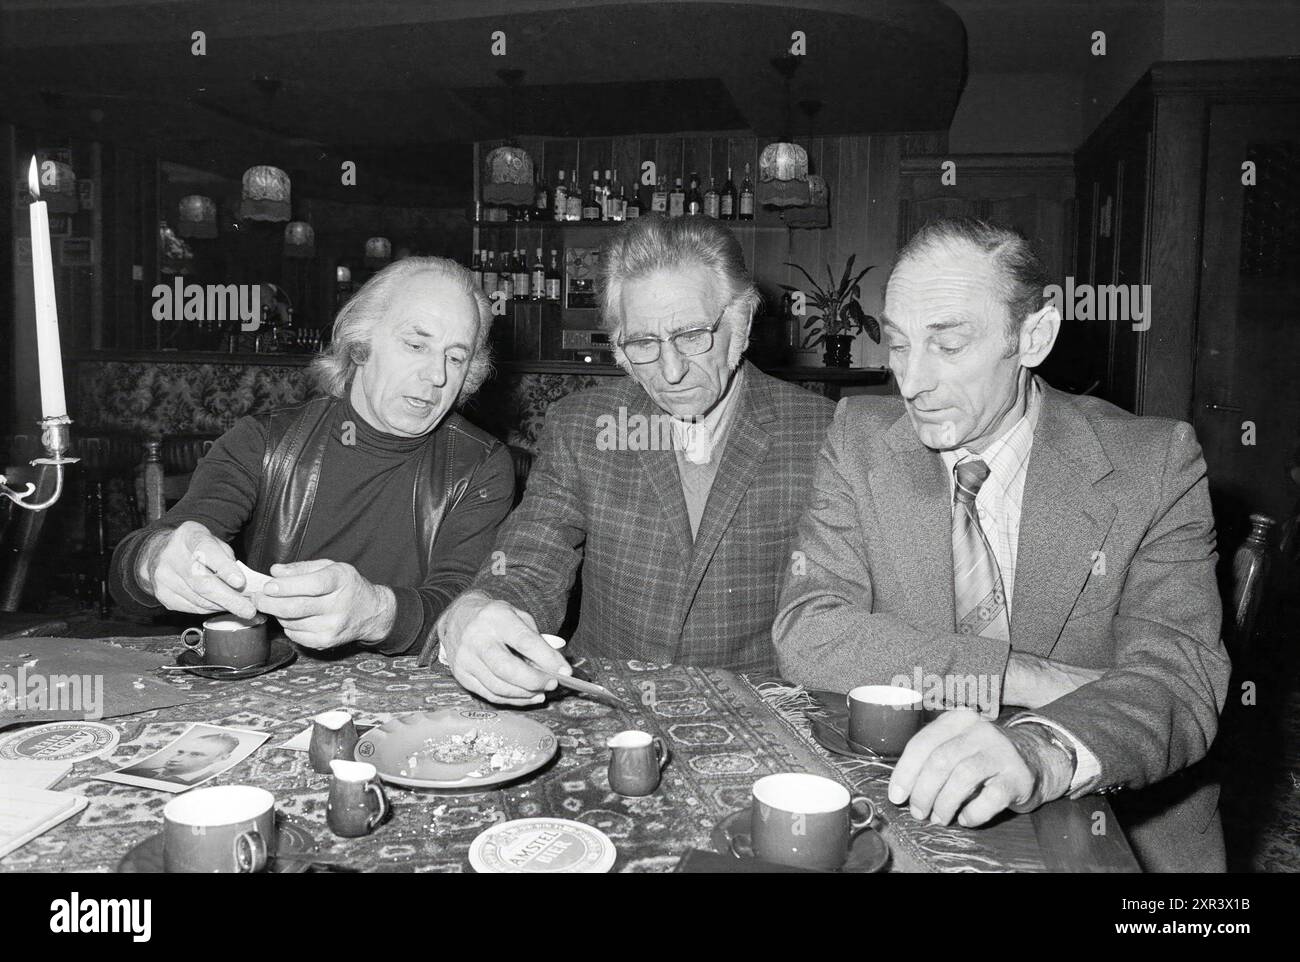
34,180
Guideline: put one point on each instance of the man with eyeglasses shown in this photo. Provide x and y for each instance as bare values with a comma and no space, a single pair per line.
677,489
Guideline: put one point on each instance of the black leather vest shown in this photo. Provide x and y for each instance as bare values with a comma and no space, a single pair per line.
296,441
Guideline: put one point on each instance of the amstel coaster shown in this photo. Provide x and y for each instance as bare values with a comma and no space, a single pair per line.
542,846
65,741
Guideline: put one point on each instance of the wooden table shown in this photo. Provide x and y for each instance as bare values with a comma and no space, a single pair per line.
724,733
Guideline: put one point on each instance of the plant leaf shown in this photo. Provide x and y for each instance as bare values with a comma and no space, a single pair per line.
815,286
848,269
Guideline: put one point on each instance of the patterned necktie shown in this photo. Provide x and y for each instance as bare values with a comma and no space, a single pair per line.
980,601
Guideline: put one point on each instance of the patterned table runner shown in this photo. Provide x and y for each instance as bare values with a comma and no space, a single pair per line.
722,734
1007,845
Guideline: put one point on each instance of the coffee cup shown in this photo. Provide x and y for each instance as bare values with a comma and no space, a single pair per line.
226,639
356,803
636,761
883,718
802,820
226,828
333,735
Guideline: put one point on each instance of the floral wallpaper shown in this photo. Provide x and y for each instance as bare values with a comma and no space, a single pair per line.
162,399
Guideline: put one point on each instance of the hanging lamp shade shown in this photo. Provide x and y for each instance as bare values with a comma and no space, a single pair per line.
783,176
508,177
299,239
818,212
59,187
198,217
265,194
379,251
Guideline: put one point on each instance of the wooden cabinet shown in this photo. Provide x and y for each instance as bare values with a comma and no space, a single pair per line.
1033,193
1164,201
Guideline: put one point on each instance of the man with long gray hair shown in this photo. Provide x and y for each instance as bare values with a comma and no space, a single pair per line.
371,506
677,489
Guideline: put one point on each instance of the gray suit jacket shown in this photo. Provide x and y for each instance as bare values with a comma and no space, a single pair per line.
649,590
1115,570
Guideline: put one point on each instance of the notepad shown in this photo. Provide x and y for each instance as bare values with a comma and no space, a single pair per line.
26,813
31,773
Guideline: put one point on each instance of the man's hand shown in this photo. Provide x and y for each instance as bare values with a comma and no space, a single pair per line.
190,570
323,604
1032,682
483,640
965,767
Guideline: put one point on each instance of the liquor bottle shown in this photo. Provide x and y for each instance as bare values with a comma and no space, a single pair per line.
1250,566
476,268
712,199
490,276
746,197
607,198
553,278
617,201
541,198
522,276
574,208
727,202
677,199
694,200
537,279
152,477
632,206
659,198
561,198
591,198
506,278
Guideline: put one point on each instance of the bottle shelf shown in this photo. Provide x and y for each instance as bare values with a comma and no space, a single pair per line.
563,225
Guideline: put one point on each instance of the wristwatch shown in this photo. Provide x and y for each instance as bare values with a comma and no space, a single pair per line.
1054,738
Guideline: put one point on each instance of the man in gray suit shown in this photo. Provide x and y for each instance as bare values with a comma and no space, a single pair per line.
1006,544
677,488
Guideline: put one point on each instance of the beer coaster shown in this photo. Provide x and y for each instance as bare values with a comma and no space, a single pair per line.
542,846
65,741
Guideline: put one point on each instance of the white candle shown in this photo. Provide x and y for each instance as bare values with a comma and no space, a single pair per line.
53,403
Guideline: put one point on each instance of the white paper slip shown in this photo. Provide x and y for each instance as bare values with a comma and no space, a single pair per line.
32,774
254,581
26,813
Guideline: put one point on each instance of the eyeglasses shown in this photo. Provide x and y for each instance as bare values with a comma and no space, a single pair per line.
690,343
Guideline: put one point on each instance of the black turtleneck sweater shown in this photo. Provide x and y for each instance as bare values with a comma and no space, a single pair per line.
363,514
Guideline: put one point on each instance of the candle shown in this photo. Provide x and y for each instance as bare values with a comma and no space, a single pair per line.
53,403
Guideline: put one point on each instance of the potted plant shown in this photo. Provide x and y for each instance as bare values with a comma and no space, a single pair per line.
839,311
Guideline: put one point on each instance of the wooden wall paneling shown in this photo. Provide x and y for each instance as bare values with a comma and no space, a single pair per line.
671,158
561,154
96,334
627,161
882,212
719,157
647,149
695,159
1177,173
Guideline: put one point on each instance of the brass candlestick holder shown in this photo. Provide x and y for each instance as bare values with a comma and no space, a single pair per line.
56,436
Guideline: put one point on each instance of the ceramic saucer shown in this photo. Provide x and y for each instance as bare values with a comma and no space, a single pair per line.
282,653
832,738
293,834
868,851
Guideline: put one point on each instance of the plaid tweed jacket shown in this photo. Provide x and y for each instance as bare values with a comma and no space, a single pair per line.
649,591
